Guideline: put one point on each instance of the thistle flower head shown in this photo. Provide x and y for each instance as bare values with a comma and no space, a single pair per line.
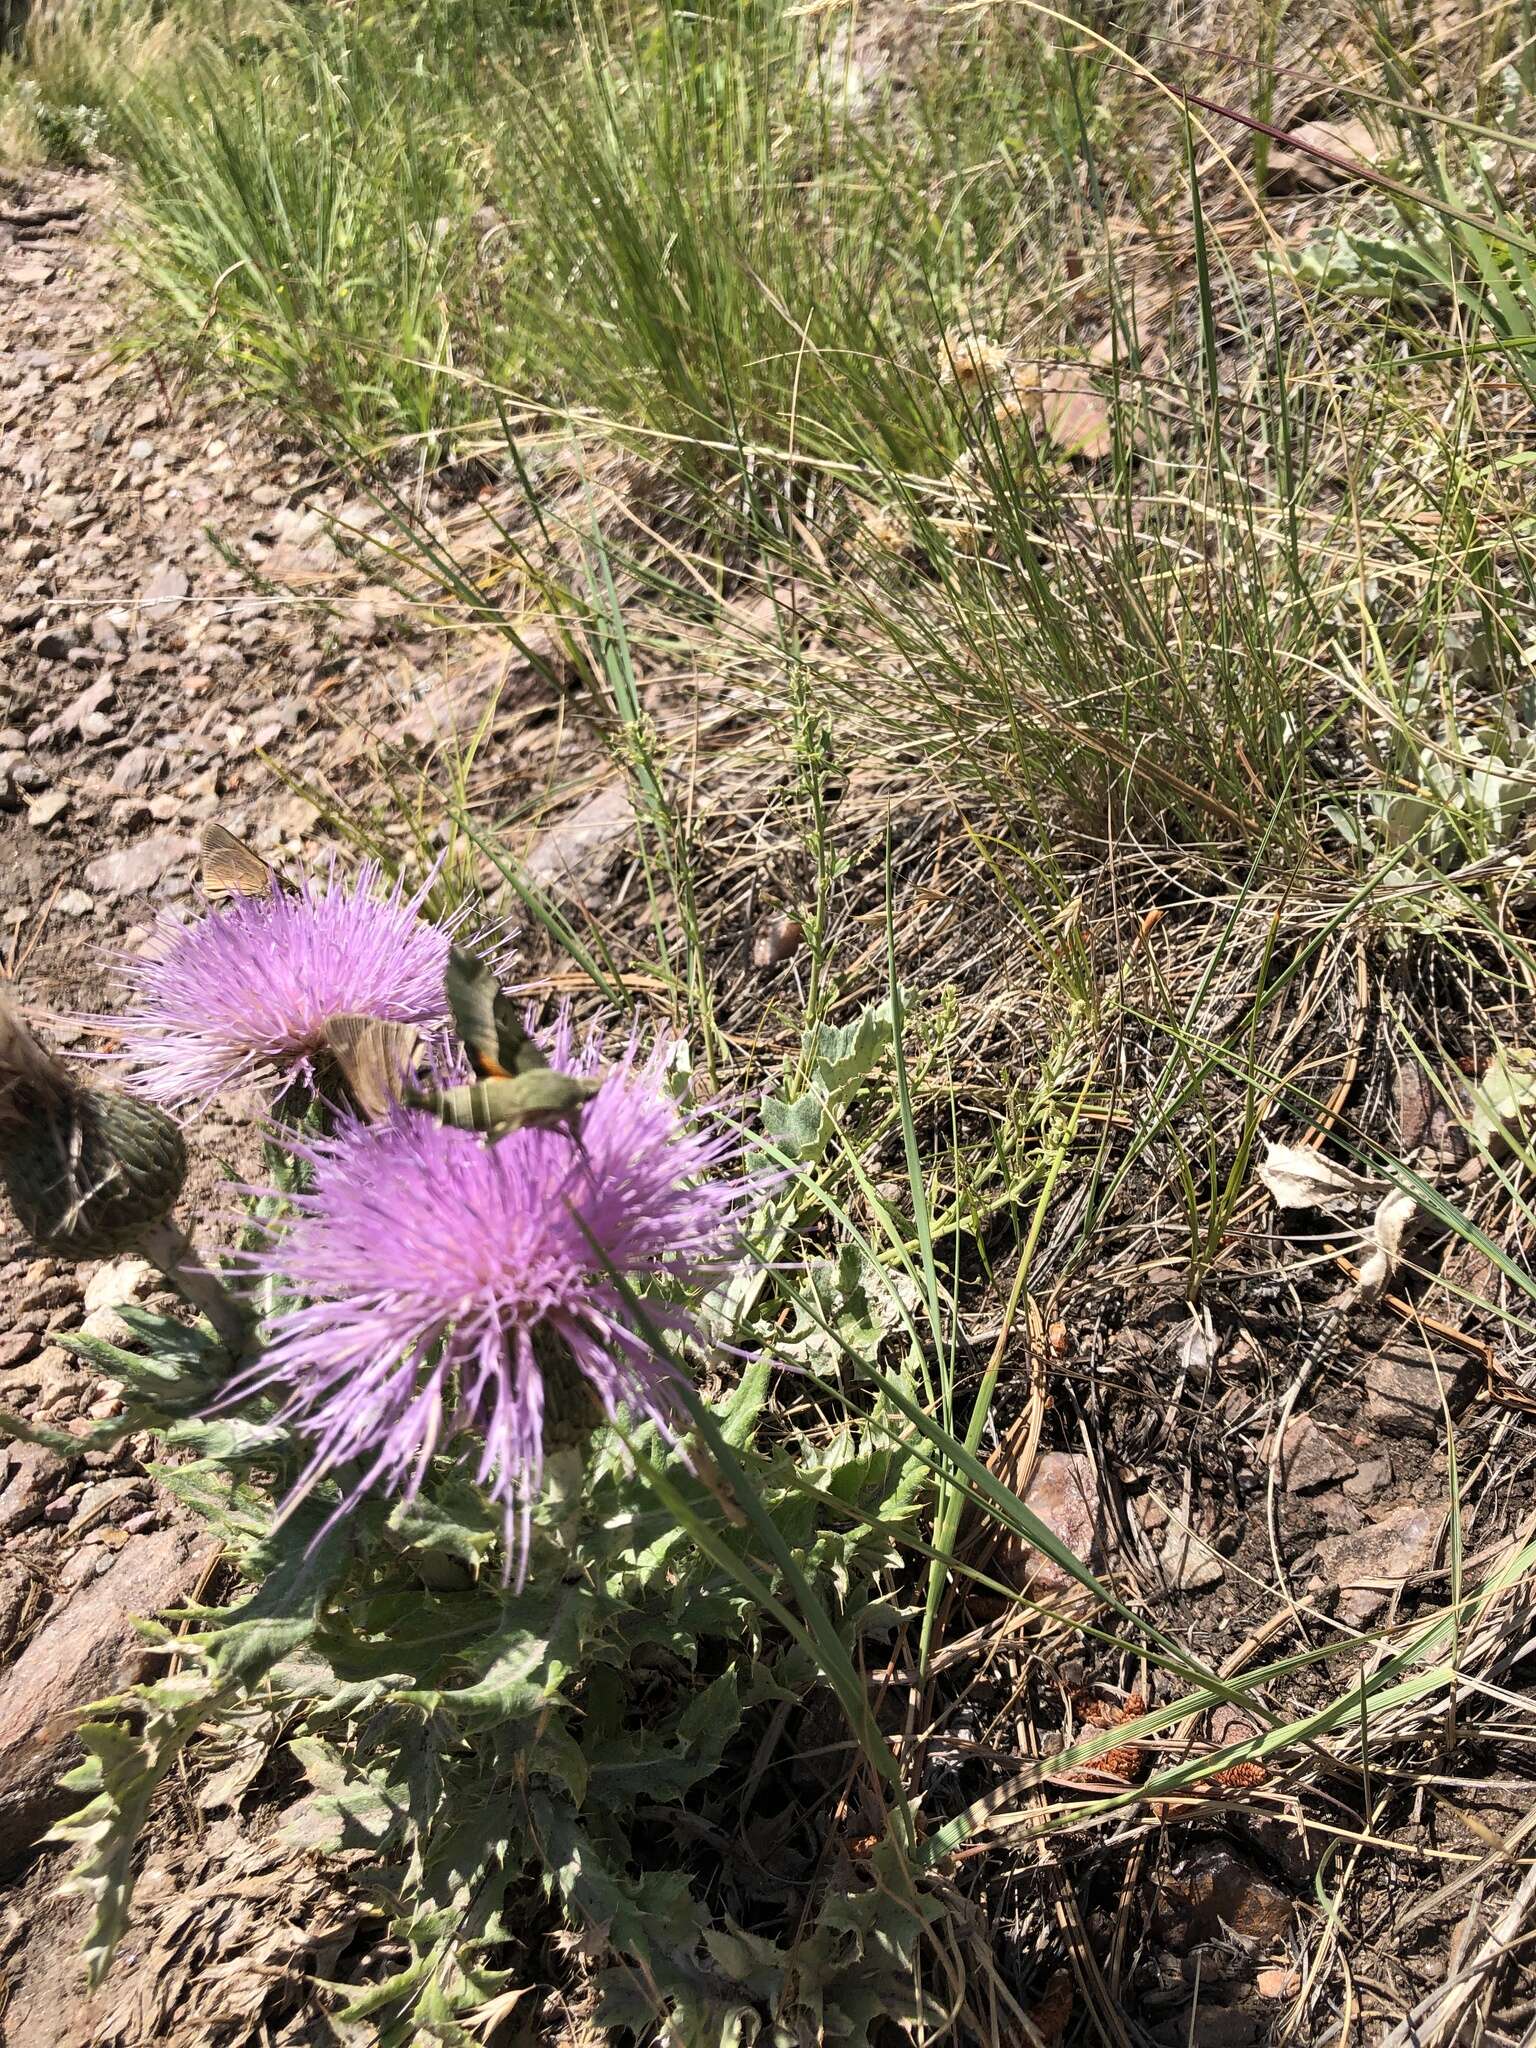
244,993
445,1285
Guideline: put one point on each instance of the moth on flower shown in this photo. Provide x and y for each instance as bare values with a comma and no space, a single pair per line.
446,1286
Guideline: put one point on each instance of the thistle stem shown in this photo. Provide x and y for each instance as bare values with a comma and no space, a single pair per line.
169,1248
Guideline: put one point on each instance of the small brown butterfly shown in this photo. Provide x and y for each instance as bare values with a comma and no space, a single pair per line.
231,869
377,1059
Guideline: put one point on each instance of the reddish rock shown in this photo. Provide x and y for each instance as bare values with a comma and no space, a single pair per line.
1312,1458
1402,1395
29,1476
85,1650
1370,1564
1213,1893
1064,1492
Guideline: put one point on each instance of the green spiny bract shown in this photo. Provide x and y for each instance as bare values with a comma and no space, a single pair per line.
88,1170
89,1177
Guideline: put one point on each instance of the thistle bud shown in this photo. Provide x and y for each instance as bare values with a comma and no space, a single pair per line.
90,1175
88,1170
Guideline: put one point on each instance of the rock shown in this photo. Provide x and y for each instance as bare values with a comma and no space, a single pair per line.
74,903
44,809
140,866
94,699
117,1282
1311,1458
138,766
1402,1395
165,589
1373,1477
1191,1564
1368,1565
1277,1981
572,856
16,1347
33,1474
85,1650
52,643
1064,1492
1214,1891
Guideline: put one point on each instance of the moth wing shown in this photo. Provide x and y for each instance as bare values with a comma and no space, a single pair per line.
27,1070
487,1022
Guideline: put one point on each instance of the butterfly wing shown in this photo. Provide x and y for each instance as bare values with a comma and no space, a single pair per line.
231,869
377,1059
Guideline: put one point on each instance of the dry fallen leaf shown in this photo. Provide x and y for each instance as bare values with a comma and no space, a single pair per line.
1299,1178
1318,154
1395,1216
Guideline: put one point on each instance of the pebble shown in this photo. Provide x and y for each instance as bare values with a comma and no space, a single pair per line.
140,866
60,1510
74,903
44,809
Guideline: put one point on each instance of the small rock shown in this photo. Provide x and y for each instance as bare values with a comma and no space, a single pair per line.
74,903
61,1509
44,809
140,866
33,1475
1373,1477
165,589
1370,1564
138,766
16,1347
1064,1492
141,1524
572,856
96,698
1311,1458
1190,1562
1214,1891
1277,1981
1402,1395
117,1282
52,643
105,635
776,939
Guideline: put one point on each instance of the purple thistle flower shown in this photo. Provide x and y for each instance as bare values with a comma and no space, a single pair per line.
244,994
448,1285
